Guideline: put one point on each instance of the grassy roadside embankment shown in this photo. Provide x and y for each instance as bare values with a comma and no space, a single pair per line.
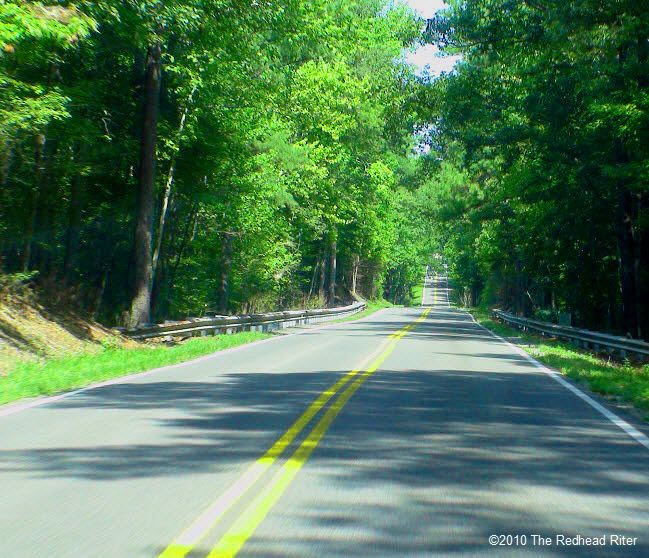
620,382
31,378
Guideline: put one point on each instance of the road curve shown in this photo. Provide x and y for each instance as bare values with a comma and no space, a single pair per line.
418,434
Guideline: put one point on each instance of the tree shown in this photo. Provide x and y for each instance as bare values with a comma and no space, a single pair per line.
548,105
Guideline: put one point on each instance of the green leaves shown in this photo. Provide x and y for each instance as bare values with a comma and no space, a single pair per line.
52,23
282,125
550,109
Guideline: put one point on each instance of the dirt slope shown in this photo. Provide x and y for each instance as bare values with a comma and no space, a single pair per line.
30,330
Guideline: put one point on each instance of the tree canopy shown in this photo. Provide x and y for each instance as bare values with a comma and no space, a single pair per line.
543,197
161,159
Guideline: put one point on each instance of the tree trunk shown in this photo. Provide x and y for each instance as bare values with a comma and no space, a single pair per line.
313,278
6,158
474,295
141,303
159,300
72,233
626,246
517,287
323,275
32,201
356,266
98,297
643,271
160,282
331,299
184,242
628,236
168,183
395,287
643,205
226,264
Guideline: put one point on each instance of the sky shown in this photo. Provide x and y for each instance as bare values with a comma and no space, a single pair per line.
428,55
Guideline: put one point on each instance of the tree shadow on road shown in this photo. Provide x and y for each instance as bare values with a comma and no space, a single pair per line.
419,462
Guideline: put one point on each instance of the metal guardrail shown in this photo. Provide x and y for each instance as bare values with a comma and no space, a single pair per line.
194,327
582,337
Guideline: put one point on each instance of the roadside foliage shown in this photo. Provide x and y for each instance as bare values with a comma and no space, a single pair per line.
542,202
161,159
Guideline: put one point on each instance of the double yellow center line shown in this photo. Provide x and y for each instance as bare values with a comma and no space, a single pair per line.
246,524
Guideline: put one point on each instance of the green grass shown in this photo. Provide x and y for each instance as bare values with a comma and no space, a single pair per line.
30,379
372,306
622,382
46,377
417,292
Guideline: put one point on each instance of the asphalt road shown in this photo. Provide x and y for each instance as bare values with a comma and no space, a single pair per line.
435,436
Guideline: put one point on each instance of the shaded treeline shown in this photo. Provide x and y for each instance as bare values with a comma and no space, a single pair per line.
543,197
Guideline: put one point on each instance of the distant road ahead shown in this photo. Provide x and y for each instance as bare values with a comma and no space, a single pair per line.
423,436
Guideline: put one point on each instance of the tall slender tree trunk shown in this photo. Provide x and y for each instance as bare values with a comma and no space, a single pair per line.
642,45
395,287
518,288
356,266
331,298
313,279
628,235
323,276
373,288
73,229
185,239
226,265
168,184
141,302
626,246
6,158
32,201
166,197
98,297
160,281
643,271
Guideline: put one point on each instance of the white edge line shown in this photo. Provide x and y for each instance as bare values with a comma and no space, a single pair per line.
616,420
12,408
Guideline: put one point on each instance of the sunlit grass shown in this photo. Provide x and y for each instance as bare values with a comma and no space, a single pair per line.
46,377
372,306
417,293
29,379
621,381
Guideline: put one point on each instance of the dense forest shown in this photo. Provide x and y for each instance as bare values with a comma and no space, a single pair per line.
161,159
542,196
